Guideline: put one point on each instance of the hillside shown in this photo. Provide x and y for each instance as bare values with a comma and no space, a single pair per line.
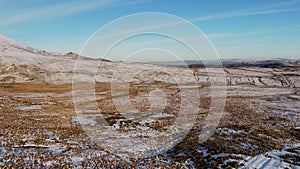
65,110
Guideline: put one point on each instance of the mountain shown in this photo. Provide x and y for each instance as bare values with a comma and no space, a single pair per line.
20,64
264,63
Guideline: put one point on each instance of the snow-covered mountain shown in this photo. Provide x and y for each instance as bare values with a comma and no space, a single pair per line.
20,63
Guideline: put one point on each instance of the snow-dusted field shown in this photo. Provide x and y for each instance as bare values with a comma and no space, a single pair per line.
259,127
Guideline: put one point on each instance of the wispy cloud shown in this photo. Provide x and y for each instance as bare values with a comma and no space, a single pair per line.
78,6
275,8
241,14
63,9
231,35
264,10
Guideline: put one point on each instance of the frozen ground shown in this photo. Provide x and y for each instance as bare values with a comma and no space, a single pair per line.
39,126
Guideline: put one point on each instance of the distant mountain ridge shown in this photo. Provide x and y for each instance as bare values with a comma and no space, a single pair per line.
266,63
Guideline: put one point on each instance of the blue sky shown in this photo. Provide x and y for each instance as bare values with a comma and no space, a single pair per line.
237,28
